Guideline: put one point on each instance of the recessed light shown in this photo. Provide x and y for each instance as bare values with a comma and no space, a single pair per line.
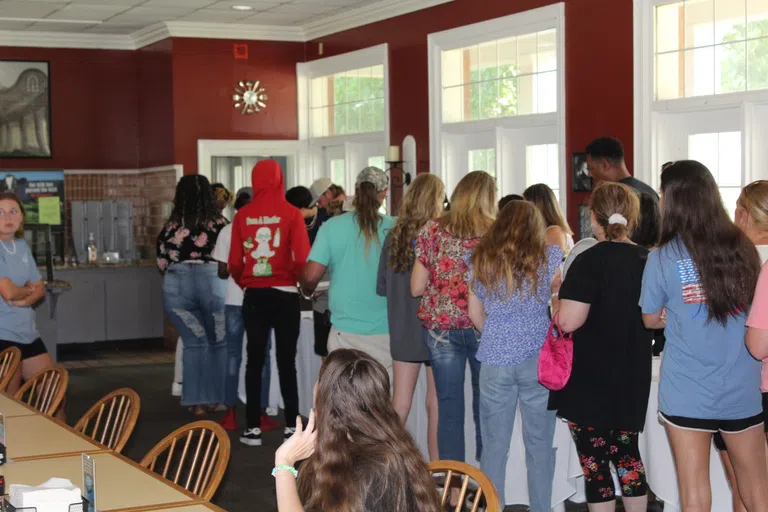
242,7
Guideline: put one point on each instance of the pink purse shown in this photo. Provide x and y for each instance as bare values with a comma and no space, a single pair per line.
556,358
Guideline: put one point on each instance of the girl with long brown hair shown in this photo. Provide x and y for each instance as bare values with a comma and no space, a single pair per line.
511,272
423,202
439,278
359,456
703,276
558,232
606,397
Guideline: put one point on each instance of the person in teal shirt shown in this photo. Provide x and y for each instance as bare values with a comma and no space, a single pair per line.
349,246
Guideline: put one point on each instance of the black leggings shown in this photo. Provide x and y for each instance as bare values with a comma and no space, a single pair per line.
265,309
597,449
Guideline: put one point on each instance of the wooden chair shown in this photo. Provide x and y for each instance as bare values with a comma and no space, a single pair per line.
45,390
485,490
195,457
114,418
10,359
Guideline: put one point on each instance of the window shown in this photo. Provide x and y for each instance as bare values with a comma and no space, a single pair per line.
721,153
542,166
483,160
497,88
707,47
506,77
338,171
377,161
347,102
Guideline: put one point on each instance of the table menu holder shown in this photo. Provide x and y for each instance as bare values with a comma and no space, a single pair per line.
5,506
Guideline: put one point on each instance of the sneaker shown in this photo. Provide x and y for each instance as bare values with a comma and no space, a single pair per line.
229,421
288,432
267,423
176,389
251,437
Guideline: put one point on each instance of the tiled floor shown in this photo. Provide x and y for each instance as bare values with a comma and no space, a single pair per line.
247,485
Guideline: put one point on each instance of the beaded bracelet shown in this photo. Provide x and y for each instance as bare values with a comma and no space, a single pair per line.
283,467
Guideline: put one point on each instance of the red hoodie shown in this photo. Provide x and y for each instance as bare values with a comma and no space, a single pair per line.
270,243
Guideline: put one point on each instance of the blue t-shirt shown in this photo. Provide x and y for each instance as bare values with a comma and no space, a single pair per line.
517,323
355,306
17,324
706,370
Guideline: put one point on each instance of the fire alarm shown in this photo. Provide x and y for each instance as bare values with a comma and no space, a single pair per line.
240,51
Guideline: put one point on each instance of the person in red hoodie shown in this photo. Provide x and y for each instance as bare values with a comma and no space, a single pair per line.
269,249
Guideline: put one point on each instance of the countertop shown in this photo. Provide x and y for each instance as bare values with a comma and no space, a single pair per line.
101,266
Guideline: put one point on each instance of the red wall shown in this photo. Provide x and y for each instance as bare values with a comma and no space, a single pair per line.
205,73
156,105
599,69
94,114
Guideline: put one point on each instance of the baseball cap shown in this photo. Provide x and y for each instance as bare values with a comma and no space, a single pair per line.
375,176
318,188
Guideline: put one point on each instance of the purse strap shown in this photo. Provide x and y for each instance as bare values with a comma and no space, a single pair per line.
555,323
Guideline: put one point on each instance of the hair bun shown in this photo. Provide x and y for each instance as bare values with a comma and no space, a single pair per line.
617,218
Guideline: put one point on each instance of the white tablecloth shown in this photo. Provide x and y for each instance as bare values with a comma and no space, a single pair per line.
568,480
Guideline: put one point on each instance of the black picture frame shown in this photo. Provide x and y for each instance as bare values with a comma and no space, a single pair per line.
582,181
585,222
25,121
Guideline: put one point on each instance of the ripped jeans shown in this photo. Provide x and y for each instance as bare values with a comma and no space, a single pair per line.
450,351
235,333
193,299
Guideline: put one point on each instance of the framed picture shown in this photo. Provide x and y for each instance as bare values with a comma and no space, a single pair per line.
585,222
582,181
25,113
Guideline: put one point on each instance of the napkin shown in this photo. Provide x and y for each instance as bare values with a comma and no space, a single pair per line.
55,495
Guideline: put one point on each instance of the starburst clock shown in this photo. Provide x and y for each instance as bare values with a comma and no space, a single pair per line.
250,97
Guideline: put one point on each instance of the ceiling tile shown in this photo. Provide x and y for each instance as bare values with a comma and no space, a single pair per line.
22,9
124,3
306,9
197,4
87,12
258,5
269,18
149,15
215,16
14,25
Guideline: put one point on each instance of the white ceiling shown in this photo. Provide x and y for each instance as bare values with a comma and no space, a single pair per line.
122,17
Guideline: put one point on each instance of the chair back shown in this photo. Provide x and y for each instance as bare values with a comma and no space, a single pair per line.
195,457
10,360
482,488
45,390
112,419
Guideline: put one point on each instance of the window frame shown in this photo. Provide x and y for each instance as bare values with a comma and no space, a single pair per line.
649,112
527,22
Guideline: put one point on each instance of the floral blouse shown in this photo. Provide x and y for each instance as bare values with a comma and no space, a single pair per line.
176,244
446,298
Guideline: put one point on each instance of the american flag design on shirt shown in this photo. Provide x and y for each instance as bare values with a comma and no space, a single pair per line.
693,293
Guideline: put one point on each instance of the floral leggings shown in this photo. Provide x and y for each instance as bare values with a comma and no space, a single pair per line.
597,449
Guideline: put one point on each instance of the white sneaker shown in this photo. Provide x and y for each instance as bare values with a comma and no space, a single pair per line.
176,389
251,437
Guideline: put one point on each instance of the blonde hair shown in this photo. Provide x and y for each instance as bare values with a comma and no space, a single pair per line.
545,200
610,198
754,200
513,250
473,206
422,203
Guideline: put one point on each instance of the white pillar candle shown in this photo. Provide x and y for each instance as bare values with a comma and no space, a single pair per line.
393,154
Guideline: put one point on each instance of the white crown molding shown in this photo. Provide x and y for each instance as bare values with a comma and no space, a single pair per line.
177,168
365,15
352,18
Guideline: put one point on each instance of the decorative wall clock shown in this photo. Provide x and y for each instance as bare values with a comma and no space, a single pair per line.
250,97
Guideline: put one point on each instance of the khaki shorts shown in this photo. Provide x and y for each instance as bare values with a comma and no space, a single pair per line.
375,345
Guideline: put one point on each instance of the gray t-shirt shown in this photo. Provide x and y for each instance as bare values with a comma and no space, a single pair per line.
639,186
17,324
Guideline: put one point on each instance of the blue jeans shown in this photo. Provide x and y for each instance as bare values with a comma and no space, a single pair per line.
235,332
450,351
500,389
193,299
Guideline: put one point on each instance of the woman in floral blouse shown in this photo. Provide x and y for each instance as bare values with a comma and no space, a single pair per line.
193,294
439,277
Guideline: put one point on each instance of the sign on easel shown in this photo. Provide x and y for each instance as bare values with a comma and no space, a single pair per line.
89,483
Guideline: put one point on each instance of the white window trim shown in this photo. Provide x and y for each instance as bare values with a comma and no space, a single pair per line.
535,20
296,173
645,108
306,71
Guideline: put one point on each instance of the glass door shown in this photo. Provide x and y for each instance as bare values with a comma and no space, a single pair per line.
234,172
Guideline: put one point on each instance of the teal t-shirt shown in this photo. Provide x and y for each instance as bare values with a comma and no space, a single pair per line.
355,306
17,324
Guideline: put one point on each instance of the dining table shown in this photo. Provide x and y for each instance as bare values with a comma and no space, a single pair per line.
40,447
